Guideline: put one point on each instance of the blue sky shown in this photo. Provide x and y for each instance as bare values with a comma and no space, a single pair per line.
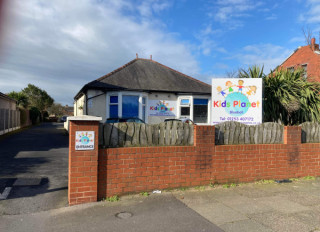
62,45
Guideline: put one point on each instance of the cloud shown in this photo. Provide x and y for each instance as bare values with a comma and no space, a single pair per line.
267,55
149,7
271,17
230,11
207,44
298,39
60,46
313,14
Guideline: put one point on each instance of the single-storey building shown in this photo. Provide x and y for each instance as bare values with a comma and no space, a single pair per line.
7,102
148,90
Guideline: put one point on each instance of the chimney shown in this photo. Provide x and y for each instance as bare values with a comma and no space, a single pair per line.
150,57
137,56
313,41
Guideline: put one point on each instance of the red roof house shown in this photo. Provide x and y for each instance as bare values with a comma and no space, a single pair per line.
306,57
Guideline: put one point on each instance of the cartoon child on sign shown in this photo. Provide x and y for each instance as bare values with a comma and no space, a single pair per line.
221,91
251,90
240,85
229,86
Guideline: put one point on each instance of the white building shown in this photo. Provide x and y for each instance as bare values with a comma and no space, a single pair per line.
147,90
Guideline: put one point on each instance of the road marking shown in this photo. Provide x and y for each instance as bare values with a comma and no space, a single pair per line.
5,193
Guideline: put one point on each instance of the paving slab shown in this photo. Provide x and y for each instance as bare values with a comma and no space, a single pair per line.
315,208
246,205
273,188
282,222
245,225
252,192
282,204
208,207
309,218
303,198
305,186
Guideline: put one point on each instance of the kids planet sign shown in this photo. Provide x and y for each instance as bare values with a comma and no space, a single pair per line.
84,140
162,108
237,100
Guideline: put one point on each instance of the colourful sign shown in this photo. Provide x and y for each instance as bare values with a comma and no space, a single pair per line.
237,100
162,108
84,140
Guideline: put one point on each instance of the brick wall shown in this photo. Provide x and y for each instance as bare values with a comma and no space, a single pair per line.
126,170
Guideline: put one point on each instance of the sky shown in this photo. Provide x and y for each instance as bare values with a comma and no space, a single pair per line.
61,45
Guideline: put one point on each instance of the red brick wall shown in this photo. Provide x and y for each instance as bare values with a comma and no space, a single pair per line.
305,55
126,170
83,166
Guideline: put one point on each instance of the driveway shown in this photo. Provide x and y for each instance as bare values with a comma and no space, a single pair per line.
34,170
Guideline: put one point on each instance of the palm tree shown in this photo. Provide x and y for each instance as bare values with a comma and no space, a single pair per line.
21,98
252,72
290,99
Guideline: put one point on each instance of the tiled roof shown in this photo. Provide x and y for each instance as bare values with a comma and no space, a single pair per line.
148,75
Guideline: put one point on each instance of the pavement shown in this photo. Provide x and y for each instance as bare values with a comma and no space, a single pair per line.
156,213
34,170
260,206
33,165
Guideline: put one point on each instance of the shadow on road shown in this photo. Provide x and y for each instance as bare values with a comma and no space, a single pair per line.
34,162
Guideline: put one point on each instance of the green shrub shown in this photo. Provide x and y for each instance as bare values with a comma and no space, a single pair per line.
34,115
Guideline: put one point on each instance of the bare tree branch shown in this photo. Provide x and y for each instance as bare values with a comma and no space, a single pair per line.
307,32
232,74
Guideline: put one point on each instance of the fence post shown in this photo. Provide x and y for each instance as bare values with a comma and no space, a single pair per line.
83,159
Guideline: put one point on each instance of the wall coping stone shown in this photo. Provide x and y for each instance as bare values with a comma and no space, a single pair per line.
84,118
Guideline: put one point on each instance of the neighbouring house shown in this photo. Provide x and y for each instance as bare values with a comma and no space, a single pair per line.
306,57
68,110
7,102
148,90
9,114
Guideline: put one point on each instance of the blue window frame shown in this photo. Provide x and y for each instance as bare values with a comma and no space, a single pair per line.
184,102
113,111
113,99
130,106
200,110
113,108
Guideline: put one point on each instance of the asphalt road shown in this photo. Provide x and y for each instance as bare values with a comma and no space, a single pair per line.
34,170
155,213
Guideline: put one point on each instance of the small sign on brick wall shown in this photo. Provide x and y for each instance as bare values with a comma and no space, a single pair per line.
84,140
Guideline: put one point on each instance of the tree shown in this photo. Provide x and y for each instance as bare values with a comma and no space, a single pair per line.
288,98
37,97
56,109
20,97
307,32
252,72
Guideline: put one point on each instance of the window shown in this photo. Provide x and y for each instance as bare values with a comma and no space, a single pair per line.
130,106
185,108
200,110
127,105
143,108
291,69
304,67
113,106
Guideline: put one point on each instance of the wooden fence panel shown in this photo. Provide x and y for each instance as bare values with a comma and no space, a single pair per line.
172,133
231,132
310,132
